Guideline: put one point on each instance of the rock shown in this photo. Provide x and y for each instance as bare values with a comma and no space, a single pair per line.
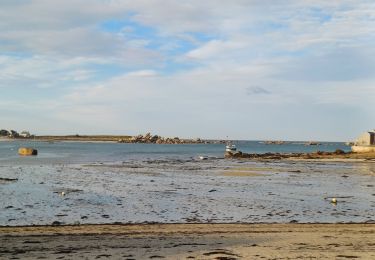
154,138
339,151
25,151
147,136
312,143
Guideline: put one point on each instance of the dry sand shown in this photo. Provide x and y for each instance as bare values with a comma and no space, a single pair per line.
190,241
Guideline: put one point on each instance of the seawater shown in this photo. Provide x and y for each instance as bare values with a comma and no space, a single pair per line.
75,152
77,183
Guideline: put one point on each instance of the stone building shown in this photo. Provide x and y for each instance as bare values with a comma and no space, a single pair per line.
365,142
367,138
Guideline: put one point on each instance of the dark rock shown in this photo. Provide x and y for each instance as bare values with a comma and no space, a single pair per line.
339,151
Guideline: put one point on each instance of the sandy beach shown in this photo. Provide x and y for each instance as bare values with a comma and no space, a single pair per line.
190,241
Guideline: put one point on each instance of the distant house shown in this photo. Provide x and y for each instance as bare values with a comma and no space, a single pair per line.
367,138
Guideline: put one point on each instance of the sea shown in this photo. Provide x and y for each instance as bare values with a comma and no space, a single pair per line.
96,182
83,152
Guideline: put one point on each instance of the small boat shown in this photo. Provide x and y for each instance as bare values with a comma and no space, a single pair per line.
231,148
203,157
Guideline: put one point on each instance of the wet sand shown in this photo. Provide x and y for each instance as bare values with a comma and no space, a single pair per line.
190,241
191,191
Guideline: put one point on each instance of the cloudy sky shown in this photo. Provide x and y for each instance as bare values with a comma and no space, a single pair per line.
247,69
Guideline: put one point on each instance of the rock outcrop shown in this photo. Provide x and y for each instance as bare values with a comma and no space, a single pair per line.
277,156
156,139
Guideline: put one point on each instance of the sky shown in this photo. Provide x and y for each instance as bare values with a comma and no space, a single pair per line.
242,69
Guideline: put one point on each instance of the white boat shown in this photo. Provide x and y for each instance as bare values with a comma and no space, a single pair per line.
202,157
231,148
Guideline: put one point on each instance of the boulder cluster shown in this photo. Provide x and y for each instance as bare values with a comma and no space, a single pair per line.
277,156
156,139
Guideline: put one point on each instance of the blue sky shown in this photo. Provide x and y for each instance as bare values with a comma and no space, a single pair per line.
292,70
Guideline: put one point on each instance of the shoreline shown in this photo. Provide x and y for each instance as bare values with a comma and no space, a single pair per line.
338,155
159,228
191,241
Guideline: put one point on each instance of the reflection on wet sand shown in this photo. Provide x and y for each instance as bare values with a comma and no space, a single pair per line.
167,191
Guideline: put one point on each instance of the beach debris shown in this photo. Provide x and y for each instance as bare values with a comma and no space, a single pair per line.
26,151
334,201
62,193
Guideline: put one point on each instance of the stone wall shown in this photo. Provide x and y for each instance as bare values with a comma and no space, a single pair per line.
366,139
363,148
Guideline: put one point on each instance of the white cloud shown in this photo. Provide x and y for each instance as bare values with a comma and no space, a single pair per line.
200,56
214,48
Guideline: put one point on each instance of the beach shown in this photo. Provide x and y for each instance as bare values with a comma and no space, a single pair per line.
190,241
147,201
